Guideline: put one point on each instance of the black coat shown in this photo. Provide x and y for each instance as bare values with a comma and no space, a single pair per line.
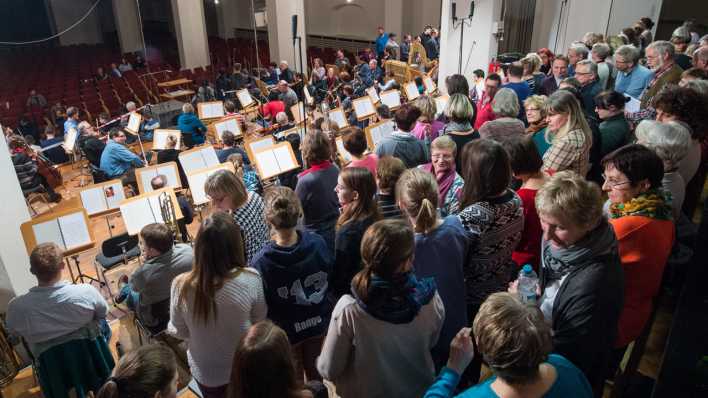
586,310
548,86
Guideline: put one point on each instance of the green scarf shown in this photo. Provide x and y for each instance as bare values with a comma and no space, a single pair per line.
652,204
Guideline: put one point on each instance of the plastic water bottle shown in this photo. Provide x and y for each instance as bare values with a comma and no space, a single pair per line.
528,283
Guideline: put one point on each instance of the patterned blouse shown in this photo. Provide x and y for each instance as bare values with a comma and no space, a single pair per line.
451,205
494,228
250,217
569,152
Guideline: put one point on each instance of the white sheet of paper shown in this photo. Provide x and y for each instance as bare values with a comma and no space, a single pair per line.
155,205
244,97
192,161
210,158
134,122
196,186
371,92
159,139
211,111
118,195
440,104
48,232
260,145
382,131
634,105
74,229
70,139
308,97
94,200
298,111
392,98
136,215
338,117
146,177
227,125
268,164
343,152
429,85
411,91
364,108
172,177
282,154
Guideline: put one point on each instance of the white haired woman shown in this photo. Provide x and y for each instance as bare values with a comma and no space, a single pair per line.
443,151
506,108
671,141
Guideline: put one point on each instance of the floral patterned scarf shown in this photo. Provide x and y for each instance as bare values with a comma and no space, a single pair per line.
652,204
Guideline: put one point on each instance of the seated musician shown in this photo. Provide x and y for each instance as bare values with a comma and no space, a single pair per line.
90,143
150,283
27,169
285,73
287,94
51,146
191,127
171,154
148,126
283,122
228,139
271,74
159,182
230,110
377,73
117,161
390,82
55,308
273,106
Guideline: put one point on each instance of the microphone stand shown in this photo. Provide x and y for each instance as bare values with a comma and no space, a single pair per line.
461,25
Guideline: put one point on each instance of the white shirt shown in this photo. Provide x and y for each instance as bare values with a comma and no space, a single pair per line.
48,312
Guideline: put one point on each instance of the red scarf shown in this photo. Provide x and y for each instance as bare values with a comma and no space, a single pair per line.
316,167
444,179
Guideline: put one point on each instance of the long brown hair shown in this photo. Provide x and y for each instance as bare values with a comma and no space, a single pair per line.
362,181
141,373
385,246
218,251
264,366
485,169
417,193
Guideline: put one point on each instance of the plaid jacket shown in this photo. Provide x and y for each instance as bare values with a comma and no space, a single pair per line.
569,152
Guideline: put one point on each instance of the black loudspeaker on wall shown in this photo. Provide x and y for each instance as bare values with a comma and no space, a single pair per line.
294,26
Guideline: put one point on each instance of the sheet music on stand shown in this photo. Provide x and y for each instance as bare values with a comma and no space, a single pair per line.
244,97
429,84
134,121
378,131
210,110
371,92
102,198
411,90
144,176
298,111
159,139
346,156
68,229
145,209
440,104
253,146
364,108
198,178
391,98
229,123
276,160
308,97
70,140
198,158
337,115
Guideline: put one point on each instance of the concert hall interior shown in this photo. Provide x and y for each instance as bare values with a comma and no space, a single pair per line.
349,198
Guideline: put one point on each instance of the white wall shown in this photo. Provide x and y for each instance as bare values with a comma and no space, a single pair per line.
127,25
233,14
190,29
15,278
280,37
479,46
355,20
67,12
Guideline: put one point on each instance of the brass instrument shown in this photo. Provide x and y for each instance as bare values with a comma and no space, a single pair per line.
169,216
9,365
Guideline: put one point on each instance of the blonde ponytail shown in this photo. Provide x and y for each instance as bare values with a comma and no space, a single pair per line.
417,193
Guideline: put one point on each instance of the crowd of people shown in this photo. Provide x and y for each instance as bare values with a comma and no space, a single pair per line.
369,273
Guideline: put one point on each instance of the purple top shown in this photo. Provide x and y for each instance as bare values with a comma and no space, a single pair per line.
419,130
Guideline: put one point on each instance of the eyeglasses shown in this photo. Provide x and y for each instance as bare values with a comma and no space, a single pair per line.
613,184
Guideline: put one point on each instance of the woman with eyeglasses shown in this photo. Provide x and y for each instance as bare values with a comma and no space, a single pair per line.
641,217
535,108
572,137
614,129
443,151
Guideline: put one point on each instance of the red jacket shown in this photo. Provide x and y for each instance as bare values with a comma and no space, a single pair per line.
644,248
484,111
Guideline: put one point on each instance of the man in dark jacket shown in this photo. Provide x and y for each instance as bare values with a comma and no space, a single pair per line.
586,73
27,170
559,71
